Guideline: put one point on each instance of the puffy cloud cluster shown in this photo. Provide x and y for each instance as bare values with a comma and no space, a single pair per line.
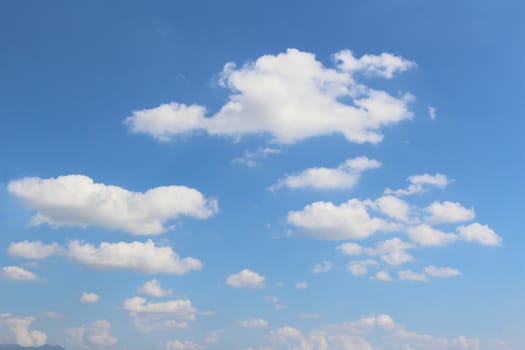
94,335
290,97
144,257
76,200
19,327
367,333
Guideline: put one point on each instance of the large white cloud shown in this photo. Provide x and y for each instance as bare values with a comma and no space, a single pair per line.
17,273
33,250
145,257
344,176
19,326
246,279
290,96
79,201
94,335
349,220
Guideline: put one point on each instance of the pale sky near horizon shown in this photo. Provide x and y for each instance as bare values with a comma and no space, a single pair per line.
262,175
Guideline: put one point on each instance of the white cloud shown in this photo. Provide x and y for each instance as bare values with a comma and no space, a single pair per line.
76,200
344,176
182,309
89,298
301,285
411,275
153,289
421,183
96,334
481,234
432,112
290,96
384,65
19,326
182,345
213,336
397,257
441,271
427,236
16,273
145,257
33,250
443,212
394,207
322,267
245,279
360,267
349,220
382,276
392,251
145,323
350,248
254,323
253,159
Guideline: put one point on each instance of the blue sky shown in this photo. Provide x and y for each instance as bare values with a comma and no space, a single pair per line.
262,175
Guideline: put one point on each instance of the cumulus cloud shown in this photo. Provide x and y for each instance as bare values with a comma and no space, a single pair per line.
182,309
33,250
360,267
426,235
322,267
392,251
16,273
344,176
382,276
394,207
254,323
89,298
245,279
290,97
182,345
94,335
145,257
411,275
441,271
349,220
481,234
421,183
76,200
153,289
19,327
444,212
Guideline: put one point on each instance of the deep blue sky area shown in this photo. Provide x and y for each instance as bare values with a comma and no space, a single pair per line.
96,130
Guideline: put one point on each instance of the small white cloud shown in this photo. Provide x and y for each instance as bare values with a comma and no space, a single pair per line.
392,251
245,279
382,276
432,113
254,323
481,234
360,267
135,256
322,267
425,235
441,271
16,273
153,289
411,275
421,183
19,326
344,176
95,334
253,159
445,212
89,298
76,200
182,345
33,250
213,336
349,220
182,309
301,285
385,65
350,248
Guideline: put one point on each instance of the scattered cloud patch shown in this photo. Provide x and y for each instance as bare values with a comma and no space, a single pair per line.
322,267
33,250
19,327
253,159
153,289
254,323
246,279
182,345
432,113
421,183
360,267
89,298
94,335
411,275
441,271
301,285
17,273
